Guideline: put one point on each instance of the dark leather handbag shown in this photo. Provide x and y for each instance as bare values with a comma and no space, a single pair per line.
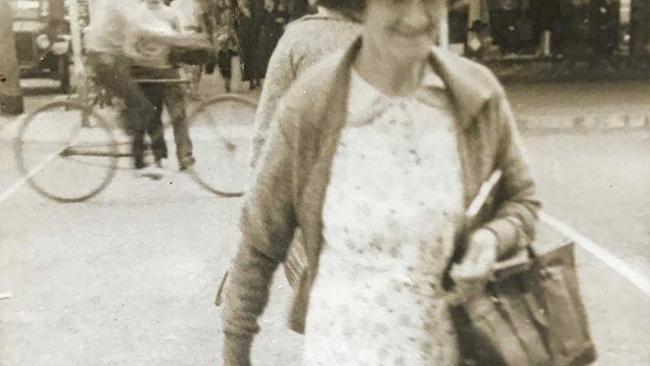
530,315
531,312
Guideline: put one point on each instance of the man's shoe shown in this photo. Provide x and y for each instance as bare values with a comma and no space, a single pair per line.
155,172
152,172
186,163
139,164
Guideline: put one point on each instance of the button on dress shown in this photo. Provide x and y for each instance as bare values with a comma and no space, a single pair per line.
393,204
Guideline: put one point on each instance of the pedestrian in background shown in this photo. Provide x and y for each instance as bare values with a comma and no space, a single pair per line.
190,14
227,42
305,42
640,34
300,8
273,21
374,154
604,17
104,40
150,60
247,15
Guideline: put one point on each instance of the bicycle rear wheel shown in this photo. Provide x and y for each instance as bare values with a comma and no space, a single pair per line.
221,131
66,151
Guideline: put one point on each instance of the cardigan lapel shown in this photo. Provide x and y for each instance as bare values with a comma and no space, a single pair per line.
328,125
469,93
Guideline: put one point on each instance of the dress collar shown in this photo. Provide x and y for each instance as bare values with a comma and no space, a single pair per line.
469,87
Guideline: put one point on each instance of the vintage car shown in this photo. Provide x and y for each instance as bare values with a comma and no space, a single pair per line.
42,39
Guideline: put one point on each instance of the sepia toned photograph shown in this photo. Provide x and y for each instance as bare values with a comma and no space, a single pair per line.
325,182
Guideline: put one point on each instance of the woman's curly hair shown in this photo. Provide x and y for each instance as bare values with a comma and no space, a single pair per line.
344,6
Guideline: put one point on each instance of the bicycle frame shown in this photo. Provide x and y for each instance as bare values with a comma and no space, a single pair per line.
92,94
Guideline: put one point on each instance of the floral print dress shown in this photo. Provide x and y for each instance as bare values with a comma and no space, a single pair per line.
392,206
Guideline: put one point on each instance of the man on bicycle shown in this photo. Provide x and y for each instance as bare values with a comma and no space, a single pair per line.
150,60
105,43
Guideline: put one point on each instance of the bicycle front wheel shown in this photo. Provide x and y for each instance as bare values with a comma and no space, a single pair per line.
66,152
222,133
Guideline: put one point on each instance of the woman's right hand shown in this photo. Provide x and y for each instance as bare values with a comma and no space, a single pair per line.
476,268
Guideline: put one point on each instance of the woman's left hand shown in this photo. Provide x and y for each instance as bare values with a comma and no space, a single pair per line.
476,267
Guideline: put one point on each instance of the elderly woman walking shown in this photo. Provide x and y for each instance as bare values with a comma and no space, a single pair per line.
375,154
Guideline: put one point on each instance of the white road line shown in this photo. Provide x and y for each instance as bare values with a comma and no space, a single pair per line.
621,267
20,182
14,187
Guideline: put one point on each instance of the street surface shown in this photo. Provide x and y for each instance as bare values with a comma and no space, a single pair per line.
129,277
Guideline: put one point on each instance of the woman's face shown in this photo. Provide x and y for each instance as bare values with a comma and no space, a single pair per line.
404,29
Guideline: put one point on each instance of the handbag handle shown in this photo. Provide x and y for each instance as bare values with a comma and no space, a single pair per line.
474,209
481,198
468,220
518,263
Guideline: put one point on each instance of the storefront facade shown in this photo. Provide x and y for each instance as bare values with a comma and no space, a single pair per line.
528,29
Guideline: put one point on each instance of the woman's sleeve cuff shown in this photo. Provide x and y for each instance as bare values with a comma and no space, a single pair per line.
237,350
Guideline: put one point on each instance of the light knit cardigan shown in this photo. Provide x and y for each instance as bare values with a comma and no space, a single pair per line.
305,42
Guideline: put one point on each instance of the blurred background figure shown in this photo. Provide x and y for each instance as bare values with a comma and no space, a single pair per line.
305,42
640,34
227,41
469,24
273,21
105,42
605,21
300,8
547,22
151,60
190,14
247,15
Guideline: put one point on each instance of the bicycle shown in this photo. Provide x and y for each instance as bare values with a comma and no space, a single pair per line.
69,152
